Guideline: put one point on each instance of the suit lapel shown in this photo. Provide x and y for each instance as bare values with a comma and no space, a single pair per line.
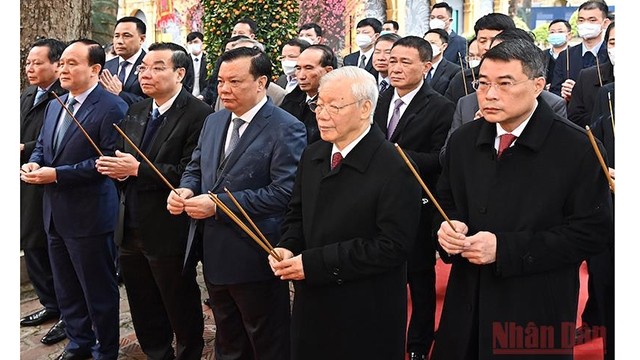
419,101
81,115
170,121
132,75
382,110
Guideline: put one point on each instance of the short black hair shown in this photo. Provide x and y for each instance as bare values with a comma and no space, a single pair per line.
373,22
140,25
328,57
260,62
96,52
55,46
525,51
313,26
179,57
300,44
445,6
565,22
418,43
393,23
444,36
195,35
252,24
494,21
594,4
393,37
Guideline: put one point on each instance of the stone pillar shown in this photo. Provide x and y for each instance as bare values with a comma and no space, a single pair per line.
417,17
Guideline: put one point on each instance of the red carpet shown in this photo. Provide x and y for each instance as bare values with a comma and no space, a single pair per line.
589,351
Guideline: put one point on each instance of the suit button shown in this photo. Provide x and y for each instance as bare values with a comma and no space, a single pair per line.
530,259
483,210
339,281
336,271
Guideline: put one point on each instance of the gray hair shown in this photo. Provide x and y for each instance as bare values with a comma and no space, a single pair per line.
363,84
249,43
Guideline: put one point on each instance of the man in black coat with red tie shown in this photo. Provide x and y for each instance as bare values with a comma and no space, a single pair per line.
528,202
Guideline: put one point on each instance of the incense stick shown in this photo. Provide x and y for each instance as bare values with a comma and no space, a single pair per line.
79,125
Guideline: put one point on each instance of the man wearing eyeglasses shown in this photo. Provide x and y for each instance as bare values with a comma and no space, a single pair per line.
164,297
351,224
529,202
119,74
416,117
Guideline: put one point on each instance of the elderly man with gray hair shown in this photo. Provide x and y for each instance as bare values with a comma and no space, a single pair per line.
351,223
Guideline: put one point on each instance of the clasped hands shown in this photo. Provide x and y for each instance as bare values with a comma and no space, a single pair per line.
290,268
479,249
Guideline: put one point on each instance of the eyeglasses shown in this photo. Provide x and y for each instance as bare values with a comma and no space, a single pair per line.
331,109
503,86
154,69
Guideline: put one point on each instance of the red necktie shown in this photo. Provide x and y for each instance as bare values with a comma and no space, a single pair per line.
336,159
505,141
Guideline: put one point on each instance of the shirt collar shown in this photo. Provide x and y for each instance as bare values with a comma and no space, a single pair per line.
517,131
249,115
133,59
347,149
406,99
167,105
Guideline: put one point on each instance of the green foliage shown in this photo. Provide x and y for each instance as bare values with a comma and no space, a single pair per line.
103,19
277,23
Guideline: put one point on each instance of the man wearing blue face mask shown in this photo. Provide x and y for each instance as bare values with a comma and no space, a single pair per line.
558,38
592,21
367,31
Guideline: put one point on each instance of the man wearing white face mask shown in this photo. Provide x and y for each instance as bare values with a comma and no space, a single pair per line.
592,21
441,18
558,38
367,31
288,60
194,47
442,70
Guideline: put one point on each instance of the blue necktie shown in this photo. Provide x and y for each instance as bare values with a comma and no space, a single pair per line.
152,127
123,71
588,60
41,93
66,121
429,76
383,85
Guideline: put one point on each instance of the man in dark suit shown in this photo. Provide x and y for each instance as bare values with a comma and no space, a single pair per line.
486,28
381,52
42,70
350,227
588,82
519,236
367,31
313,63
558,38
442,70
417,118
198,62
592,21
251,148
80,204
288,58
119,76
164,297
441,17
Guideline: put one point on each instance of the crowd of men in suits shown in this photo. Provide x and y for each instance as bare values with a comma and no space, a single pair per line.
129,164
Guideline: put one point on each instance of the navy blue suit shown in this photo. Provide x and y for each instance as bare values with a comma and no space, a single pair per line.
250,305
131,90
457,45
79,218
353,59
575,65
